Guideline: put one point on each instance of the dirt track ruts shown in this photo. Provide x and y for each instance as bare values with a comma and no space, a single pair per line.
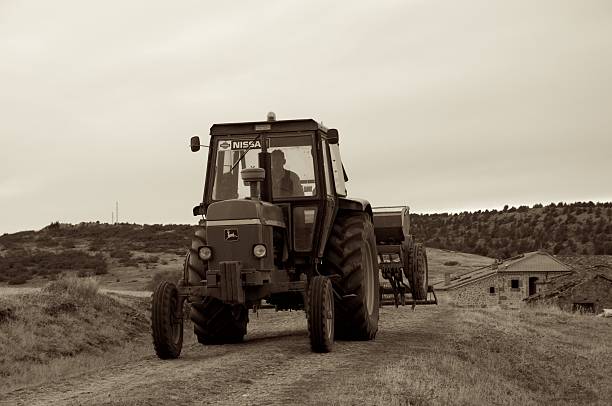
273,366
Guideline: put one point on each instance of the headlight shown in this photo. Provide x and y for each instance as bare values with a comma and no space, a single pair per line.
205,253
259,250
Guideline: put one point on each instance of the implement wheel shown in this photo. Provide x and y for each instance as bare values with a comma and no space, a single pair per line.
418,272
215,322
321,314
351,253
166,326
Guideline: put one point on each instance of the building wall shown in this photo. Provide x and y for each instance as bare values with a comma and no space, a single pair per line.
478,293
513,298
597,291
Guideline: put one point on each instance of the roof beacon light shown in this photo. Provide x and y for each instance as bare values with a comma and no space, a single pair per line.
271,116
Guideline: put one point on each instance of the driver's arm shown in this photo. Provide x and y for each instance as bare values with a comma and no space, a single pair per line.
298,190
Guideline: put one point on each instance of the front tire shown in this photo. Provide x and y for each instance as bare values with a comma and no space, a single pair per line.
166,327
321,314
351,253
216,322
195,268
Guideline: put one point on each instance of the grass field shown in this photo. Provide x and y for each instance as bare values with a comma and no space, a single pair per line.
457,263
66,328
69,344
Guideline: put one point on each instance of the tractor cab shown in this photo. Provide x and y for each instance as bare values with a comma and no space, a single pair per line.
302,176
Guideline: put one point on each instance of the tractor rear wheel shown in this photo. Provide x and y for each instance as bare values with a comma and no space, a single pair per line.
215,322
351,254
166,327
321,314
418,272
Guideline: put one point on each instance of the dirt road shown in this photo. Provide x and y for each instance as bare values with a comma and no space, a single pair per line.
274,366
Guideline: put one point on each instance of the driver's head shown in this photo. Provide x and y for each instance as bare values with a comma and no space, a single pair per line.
278,160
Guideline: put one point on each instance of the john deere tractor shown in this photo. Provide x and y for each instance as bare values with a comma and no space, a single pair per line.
277,229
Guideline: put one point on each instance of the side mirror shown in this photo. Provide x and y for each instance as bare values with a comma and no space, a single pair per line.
332,136
195,143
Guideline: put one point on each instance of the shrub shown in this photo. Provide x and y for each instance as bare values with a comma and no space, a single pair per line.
55,225
121,254
67,244
19,280
166,275
42,263
79,287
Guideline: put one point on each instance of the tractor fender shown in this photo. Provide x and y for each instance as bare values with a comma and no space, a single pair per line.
346,204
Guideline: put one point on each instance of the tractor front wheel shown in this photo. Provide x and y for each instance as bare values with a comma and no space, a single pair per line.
166,323
216,322
321,314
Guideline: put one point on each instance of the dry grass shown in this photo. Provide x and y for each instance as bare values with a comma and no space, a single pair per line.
66,328
171,275
540,355
83,288
457,263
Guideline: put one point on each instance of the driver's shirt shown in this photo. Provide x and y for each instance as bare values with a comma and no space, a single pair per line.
287,185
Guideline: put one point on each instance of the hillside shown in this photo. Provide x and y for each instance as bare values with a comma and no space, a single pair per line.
67,327
122,255
443,261
564,229
128,256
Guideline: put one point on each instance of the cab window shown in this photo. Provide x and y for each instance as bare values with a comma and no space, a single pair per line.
292,166
227,182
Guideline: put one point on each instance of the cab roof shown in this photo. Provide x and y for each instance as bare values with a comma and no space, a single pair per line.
252,127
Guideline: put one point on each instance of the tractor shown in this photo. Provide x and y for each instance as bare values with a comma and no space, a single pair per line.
279,230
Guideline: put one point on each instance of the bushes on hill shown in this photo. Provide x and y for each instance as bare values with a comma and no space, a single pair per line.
566,229
18,266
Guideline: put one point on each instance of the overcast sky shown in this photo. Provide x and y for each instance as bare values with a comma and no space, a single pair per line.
441,105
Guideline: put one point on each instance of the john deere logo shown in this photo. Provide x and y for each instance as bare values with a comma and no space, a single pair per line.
231,234
225,145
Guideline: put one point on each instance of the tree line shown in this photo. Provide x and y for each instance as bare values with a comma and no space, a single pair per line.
581,228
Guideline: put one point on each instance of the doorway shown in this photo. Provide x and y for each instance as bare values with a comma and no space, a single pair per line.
532,285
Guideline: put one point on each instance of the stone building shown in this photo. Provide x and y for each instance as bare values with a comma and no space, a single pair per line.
504,283
588,289
592,295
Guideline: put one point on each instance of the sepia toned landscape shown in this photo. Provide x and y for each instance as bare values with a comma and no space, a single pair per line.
79,333
306,203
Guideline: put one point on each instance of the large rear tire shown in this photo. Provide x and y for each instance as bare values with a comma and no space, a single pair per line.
321,314
166,327
418,272
351,253
215,322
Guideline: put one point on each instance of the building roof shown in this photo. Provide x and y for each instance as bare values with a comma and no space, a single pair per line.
566,282
537,261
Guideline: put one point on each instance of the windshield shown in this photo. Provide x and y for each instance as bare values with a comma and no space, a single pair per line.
228,184
291,160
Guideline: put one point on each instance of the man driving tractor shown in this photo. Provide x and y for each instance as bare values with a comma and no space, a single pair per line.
285,183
